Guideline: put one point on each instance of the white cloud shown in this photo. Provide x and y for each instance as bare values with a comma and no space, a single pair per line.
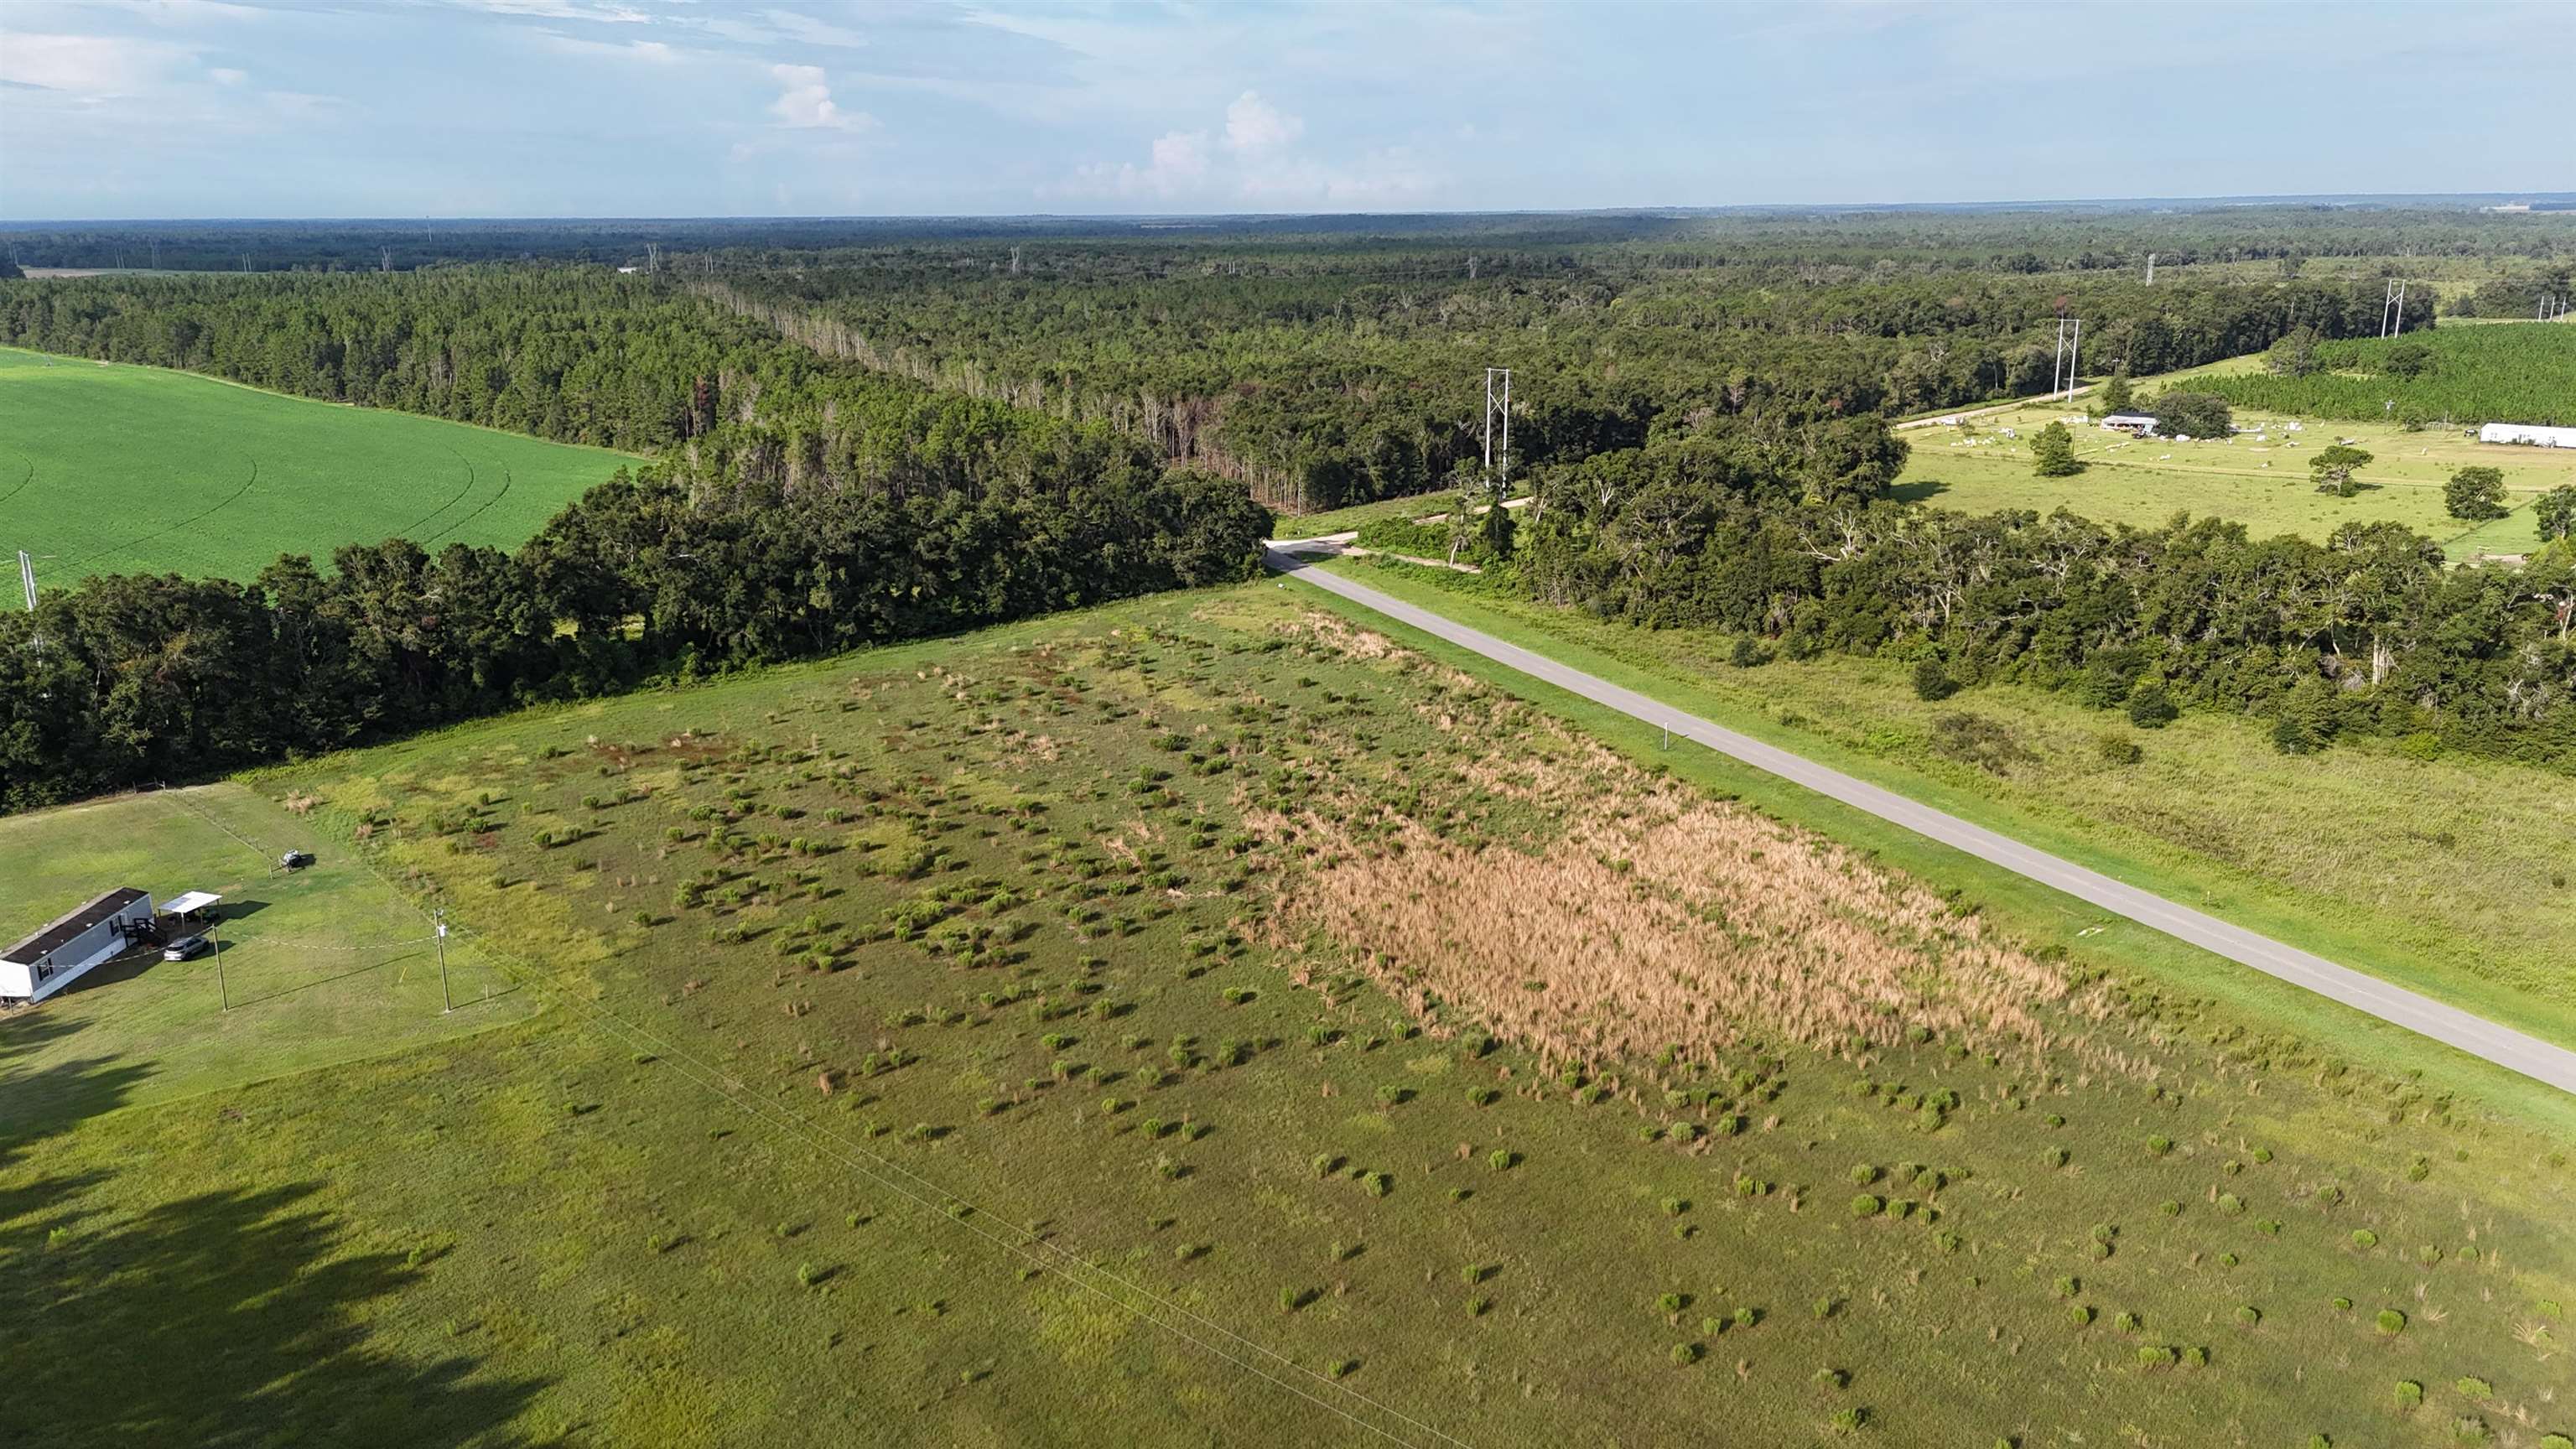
811,31
91,66
806,104
650,52
1179,167
561,10
227,76
1260,165
1253,124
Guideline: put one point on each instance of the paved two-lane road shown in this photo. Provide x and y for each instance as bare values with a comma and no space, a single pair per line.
2475,1035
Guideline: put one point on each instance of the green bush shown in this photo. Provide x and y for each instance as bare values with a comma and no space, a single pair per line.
1931,682
1864,1205
2151,706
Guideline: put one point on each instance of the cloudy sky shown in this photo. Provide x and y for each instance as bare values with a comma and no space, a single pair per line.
169,108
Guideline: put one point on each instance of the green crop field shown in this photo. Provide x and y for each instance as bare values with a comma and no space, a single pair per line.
2521,372
109,468
2259,479
1208,1020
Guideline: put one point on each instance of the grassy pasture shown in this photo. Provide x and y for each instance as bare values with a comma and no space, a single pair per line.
1106,936
109,468
303,961
1343,520
2260,483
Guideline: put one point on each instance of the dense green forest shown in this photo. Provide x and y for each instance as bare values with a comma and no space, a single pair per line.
868,444
2460,376
799,507
1315,385
2368,632
2063,236
1321,388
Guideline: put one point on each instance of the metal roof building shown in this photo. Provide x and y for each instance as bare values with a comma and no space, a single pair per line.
54,957
2532,435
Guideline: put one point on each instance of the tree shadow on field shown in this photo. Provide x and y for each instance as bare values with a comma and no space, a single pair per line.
223,1318
228,1317
36,1103
1918,491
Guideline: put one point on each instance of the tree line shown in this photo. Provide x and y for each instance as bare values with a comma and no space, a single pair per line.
798,508
2366,633
1318,386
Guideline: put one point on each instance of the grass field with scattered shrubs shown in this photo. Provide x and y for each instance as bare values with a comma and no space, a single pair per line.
1207,1020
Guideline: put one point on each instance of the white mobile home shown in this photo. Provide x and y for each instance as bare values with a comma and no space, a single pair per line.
54,957
2530,435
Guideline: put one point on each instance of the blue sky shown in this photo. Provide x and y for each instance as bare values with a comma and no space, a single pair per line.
165,108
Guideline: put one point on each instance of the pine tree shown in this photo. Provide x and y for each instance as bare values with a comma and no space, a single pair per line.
2114,397
2053,449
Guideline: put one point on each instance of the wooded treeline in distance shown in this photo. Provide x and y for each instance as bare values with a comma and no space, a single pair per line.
2080,236
2366,633
798,507
858,447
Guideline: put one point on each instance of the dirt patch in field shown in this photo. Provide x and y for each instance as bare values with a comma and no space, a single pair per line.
1650,917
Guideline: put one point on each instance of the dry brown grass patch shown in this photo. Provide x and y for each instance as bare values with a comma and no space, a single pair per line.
1653,916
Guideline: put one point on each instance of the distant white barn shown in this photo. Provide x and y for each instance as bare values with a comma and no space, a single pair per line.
2530,435
54,957
2137,425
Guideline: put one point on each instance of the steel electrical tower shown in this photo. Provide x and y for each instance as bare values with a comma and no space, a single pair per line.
2061,361
1498,410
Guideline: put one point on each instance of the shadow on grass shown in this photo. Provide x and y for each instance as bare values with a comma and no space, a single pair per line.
1918,491
231,1316
35,1104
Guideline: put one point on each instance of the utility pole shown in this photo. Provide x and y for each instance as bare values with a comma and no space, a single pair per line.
223,991
2151,269
2073,344
384,259
27,578
2401,307
1498,407
446,1003
2061,359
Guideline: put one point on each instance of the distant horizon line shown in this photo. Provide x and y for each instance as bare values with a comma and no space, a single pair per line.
2355,199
